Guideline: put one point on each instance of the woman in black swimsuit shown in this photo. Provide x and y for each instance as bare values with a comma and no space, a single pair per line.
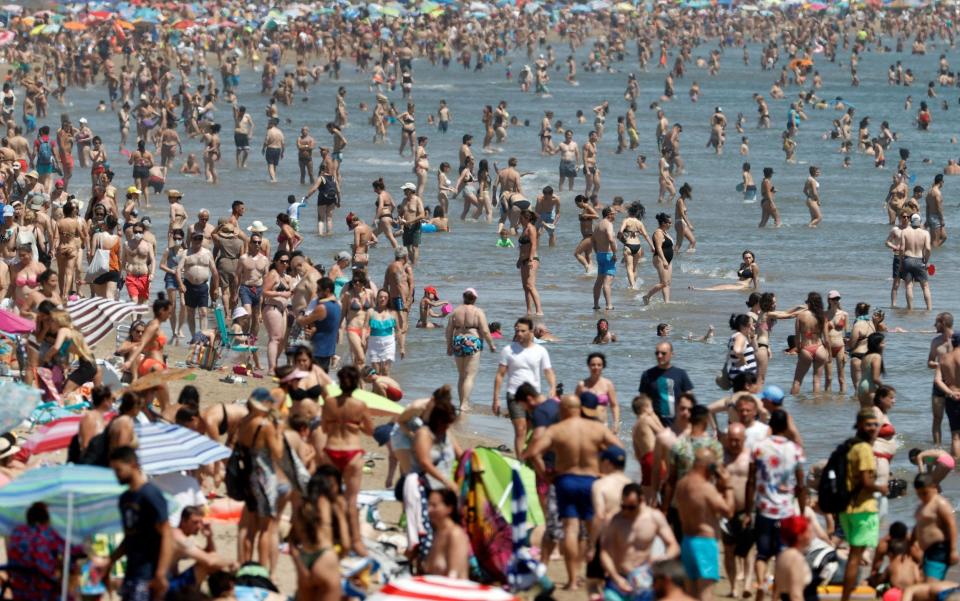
748,276
662,258
632,234
529,262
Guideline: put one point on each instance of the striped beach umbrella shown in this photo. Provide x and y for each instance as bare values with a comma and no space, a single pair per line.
96,317
81,499
438,588
524,571
55,435
166,448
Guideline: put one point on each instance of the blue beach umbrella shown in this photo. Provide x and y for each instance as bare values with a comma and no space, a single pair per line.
81,499
166,448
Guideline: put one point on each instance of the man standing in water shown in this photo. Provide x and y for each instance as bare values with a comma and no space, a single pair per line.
664,383
569,158
861,521
521,362
894,242
914,254
273,146
242,130
577,442
411,214
935,222
604,243
627,546
939,346
947,383
701,502
466,332
398,282
737,535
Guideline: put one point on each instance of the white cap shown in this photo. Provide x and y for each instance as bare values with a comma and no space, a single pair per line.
239,312
408,186
83,119
915,219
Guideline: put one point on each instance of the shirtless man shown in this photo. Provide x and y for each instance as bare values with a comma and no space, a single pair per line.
940,345
203,226
206,560
466,333
665,441
251,269
272,149
548,211
397,281
703,497
65,148
936,224
577,443
138,261
336,155
946,382
178,214
936,529
605,493
897,196
508,181
242,130
627,546
410,213
591,173
569,160
737,535
198,280
604,243
894,241
465,151
305,146
170,146
914,254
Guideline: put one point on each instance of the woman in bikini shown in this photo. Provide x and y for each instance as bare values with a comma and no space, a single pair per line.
288,239
98,160
529,261
467,184
26,274
767,318
47,290
450,546
70,342
313,552
483,188
811,336
151,348
408,131
632,234
837,319
344,419
421,164
586,218
748,276
861,329
316,380
385,208
211,153
277,290
602,387
68,244
356,300
682,221
662,259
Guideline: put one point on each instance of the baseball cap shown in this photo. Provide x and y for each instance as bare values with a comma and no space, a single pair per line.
615,455
589,403
60,183
772,393
134,190
431,290
343,256
915,219
833,294
261,399
472,292
408,186
83,119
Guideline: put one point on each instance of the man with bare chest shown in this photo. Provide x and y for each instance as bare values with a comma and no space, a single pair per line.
251,270
138,263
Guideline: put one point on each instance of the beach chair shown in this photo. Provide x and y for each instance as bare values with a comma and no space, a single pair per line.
228,339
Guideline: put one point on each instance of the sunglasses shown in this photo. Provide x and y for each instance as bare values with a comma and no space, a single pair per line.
662,353
629,507
284,261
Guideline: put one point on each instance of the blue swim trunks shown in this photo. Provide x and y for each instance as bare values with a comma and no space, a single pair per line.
573,496
701,557
606,264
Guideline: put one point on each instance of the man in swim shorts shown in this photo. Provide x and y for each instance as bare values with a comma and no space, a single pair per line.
577,443
627,550
411,214
273,146
604,243
936,529
569,157
703,497
138,263
914,253
548,211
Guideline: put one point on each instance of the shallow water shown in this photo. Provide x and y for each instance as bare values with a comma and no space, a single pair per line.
845,253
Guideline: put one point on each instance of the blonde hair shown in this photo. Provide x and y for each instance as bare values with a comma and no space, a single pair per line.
62,320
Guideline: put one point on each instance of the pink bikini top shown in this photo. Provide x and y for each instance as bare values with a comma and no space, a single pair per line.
30,282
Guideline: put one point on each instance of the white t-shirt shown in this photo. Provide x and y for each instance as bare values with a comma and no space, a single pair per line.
755,434
524,364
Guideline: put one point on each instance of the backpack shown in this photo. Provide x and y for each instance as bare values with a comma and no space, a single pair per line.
238,471
44,153
833,496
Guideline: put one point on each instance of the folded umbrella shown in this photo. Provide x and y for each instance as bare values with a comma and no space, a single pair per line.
165,448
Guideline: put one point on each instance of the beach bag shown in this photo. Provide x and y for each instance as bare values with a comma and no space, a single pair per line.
99,264
98,449
833,496
239,470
